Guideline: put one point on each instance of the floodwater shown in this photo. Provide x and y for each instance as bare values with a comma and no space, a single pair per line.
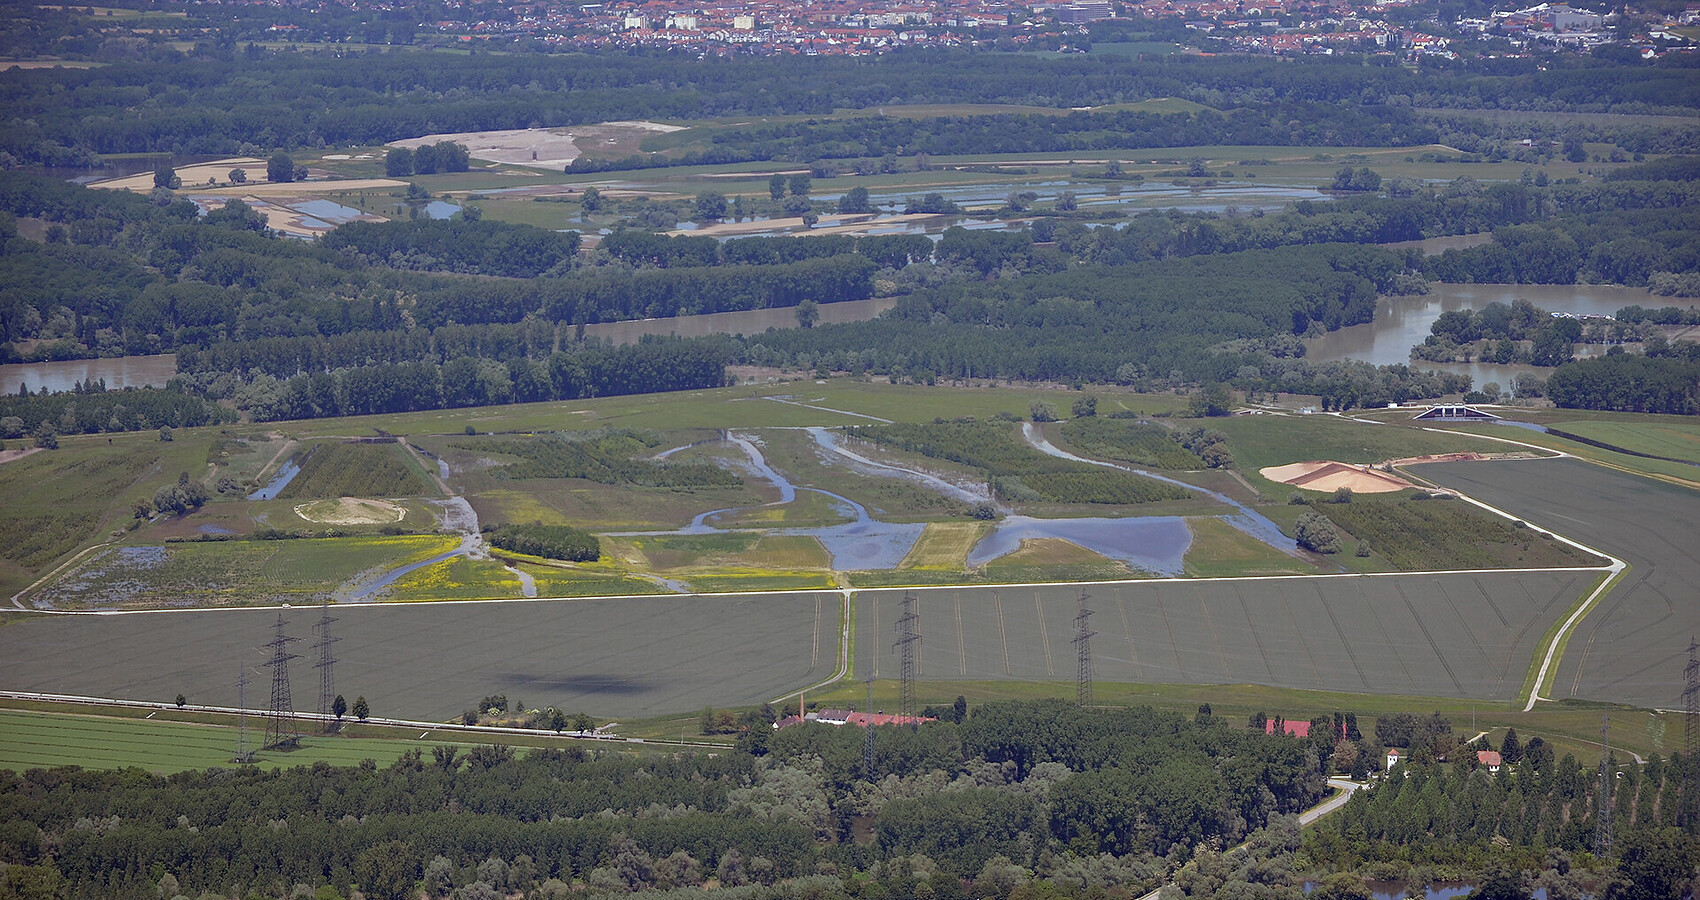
285,474
1247,520
1403,322
1150,543
328,211
120,372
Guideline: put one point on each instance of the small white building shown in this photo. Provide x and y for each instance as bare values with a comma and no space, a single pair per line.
1392,758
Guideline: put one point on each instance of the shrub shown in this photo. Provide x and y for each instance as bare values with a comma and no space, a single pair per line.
1316,533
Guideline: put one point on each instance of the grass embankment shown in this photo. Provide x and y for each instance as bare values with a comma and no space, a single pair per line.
230,573
1274,440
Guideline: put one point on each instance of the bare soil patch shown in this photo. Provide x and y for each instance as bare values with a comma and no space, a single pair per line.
544,148
1326,475
7,456
351,511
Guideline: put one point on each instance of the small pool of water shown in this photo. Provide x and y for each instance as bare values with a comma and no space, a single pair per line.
438,209
285,474
327,211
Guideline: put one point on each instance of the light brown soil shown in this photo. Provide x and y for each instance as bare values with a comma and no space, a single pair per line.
1325,475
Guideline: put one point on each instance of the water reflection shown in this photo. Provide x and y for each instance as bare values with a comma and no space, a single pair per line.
118,373
1403,322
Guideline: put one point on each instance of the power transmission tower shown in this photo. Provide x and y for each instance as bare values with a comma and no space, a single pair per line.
908,641
1083,646
280,716
1691,699
868,738
327,681
243,753
1602,799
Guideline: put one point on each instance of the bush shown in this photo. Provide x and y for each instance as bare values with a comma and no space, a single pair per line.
551,541
1316,533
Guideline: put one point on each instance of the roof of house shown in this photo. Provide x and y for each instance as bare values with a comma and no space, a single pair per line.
1295,729
1488,757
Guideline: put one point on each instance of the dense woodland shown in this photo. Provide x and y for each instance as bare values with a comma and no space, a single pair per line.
1031,799
226,101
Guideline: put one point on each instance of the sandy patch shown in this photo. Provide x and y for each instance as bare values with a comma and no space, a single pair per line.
351,511
193,176
293,188
1324,475
543,148
7,456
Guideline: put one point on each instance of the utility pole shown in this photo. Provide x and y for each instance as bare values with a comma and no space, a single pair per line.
327,681
243,753
1602,798
908,642
280,717
868,737
1083,646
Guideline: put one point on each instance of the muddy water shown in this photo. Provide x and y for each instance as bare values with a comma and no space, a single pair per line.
1403,322
119,373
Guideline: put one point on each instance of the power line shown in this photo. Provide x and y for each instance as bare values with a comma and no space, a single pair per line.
280,716
327,680
244,754
1083,646
908,641
1602,798
1691,699
868,738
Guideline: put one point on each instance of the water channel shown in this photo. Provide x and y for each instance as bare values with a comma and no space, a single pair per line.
1155,544
1403,322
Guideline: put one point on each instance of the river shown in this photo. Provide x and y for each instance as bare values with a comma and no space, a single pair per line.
1403,322
120,372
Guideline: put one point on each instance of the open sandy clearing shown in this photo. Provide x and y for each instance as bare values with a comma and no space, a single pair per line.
351,511
197,175
544,148
1325,475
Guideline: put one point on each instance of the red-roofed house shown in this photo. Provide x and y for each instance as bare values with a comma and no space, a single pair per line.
1291,729
1392,758
1489,758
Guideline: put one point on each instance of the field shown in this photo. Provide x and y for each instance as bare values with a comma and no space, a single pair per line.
1219,549
229,573
41,740
1429,534
346,469
632,656
1672,440
1262,441
1633,647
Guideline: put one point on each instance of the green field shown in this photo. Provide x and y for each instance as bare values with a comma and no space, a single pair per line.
31,740
230,573
1219,550
349,469
1673,440
1271,440
1434,534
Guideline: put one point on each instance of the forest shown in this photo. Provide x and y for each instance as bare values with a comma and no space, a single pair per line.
1018,791
1031,800
229,100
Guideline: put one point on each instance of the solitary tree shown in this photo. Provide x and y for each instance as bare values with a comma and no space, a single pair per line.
238,176
800,185
339,706
164,176
181,700
711,206
591,200
361,708
855,200
776,187
583,723
1315,533
808,313
280,169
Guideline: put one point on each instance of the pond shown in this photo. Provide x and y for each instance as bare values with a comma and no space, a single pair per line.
120,372
1403,322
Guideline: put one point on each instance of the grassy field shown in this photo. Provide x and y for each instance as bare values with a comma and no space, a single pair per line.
1221,550
1261,441
1422,535
944,546
350,469
460,578
1675,440
64,499
230,573
41,740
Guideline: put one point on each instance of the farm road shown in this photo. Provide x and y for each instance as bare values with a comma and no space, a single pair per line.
1632,648
1468,634
626,657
